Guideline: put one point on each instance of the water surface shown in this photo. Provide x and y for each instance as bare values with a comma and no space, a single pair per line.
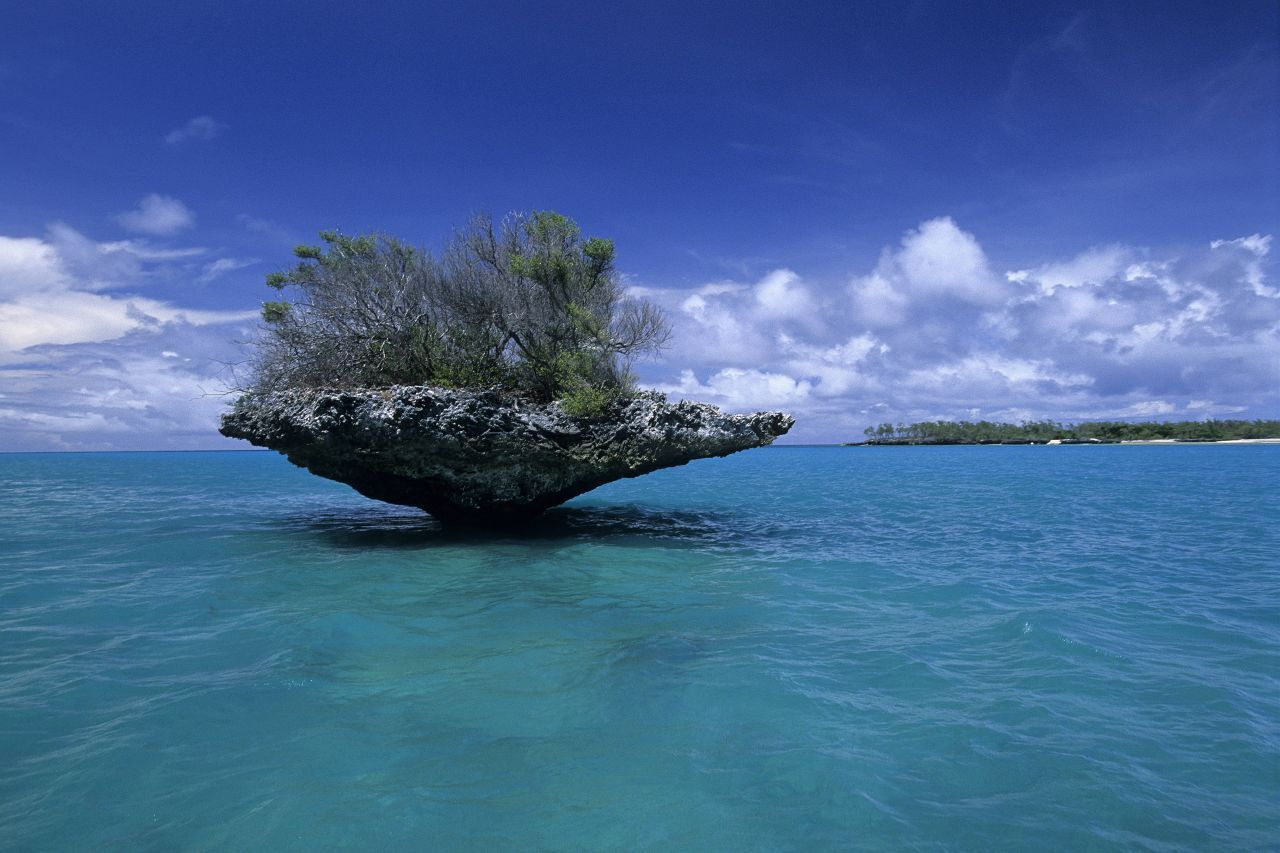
789,649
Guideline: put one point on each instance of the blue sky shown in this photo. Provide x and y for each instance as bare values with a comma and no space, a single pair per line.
855,211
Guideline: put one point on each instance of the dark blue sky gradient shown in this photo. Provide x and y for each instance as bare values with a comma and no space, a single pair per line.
742,133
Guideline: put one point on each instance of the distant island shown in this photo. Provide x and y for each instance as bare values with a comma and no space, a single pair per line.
1051,432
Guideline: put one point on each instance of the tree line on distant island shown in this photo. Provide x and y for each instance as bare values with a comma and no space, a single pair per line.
1038,432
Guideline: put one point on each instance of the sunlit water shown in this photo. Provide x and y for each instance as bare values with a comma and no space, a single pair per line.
789,649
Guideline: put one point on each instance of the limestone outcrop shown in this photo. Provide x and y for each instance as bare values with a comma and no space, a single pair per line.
484,456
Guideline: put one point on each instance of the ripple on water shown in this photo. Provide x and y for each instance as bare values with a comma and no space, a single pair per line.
963,648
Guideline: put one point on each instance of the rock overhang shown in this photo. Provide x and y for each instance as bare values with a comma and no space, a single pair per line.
485,456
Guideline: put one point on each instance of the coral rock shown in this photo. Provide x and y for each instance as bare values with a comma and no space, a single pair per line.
483,456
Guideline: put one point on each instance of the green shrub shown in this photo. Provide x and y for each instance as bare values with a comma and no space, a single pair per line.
529,305
587,401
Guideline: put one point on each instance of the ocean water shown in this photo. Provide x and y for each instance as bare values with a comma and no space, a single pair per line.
968,648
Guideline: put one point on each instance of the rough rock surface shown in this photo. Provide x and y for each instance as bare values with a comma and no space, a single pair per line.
481,456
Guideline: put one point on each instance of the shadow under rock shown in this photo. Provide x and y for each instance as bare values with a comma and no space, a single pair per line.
626,524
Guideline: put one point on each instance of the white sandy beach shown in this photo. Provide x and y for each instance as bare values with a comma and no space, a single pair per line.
1225,441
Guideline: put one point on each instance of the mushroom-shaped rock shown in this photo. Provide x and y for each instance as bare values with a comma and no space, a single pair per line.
484,456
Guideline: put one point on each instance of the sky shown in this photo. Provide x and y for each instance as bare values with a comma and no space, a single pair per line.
855,212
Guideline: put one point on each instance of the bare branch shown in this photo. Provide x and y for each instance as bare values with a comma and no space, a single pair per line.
528,305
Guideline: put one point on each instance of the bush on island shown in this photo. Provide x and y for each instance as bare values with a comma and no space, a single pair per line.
530,306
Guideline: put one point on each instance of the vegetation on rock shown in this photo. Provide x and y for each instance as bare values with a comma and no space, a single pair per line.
529,305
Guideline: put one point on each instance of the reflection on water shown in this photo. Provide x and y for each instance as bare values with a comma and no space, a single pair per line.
639,526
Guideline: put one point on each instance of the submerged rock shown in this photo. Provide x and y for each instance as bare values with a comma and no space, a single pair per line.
482,456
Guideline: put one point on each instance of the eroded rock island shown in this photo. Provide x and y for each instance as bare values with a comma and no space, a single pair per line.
484,456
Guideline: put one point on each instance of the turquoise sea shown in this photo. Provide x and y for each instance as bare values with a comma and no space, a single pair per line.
968,648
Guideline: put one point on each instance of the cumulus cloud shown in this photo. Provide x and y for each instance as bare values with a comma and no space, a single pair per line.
201,128
838,369
737,388
935,329
988,374
936,288
158,215
1259,246
154,388
878,301
59,290
932,328
725,327
1089,268
938,261
86,364
69,317
28,263
938,268
781,295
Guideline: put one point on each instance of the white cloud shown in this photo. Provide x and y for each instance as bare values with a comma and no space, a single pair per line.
200,128
939,260
224,265
123,394
712,326
938,271
735,321
927,330
66,317
992,374
159,215
837,369
28,263
68,258
142,250
877,303
51,291
72,317
88,362
1090,267
1148,408
1259,246
933,330
735,388
83,422
781,295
